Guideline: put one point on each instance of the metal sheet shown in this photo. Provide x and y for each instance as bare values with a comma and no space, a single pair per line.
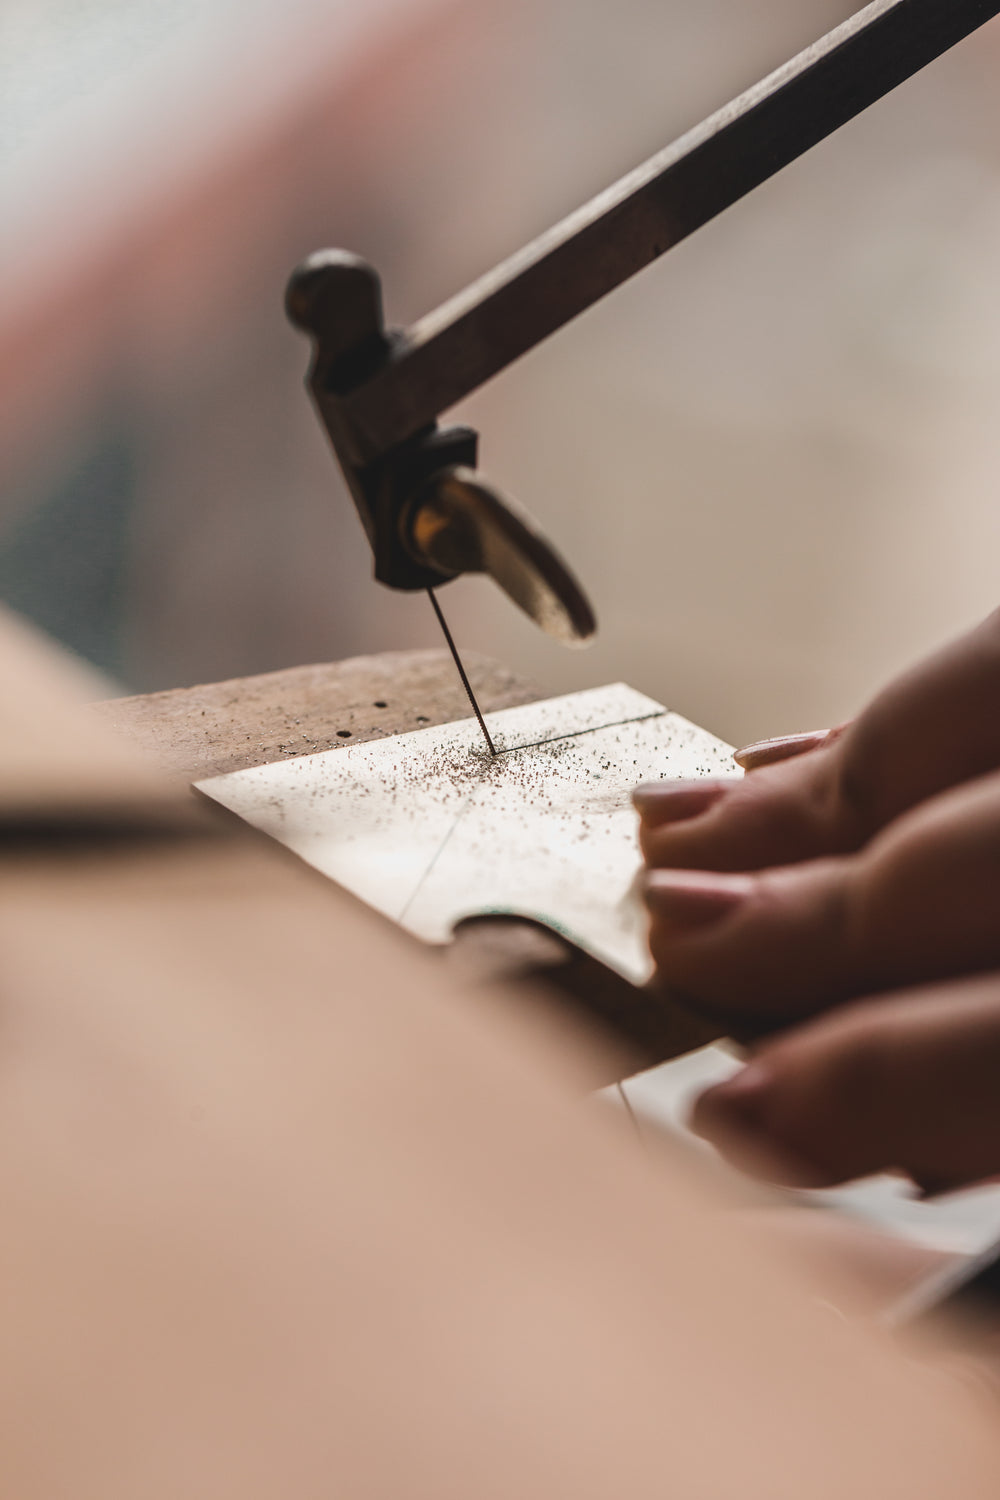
426,828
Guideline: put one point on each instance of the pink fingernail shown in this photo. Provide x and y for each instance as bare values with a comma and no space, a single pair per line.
675,801
688,899
785,747
737,1104
738,1118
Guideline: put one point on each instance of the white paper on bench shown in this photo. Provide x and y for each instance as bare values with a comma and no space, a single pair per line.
428,829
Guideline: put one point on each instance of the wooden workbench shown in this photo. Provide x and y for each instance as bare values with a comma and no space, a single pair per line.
228,726
251,721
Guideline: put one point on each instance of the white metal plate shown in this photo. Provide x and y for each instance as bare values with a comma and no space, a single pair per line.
426,828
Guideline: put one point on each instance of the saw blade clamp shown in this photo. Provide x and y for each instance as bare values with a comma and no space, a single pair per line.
428,514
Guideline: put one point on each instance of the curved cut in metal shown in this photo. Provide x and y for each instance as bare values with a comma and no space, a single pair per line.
459,523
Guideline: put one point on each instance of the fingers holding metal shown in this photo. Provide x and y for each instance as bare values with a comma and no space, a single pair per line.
779,815
920,902
812,795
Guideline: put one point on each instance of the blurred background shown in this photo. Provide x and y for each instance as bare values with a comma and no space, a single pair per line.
773,458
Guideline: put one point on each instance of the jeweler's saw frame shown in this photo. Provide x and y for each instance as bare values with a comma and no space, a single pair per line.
429,516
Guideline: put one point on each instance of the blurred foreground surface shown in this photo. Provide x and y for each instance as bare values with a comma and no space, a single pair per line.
772,458
350,1228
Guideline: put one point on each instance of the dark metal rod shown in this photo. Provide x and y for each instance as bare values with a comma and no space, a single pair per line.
461,670
500,317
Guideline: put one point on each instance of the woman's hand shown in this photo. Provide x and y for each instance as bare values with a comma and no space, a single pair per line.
907,1083
920,901
868,863
934,728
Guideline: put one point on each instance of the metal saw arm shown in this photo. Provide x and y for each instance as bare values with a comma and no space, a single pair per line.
429,517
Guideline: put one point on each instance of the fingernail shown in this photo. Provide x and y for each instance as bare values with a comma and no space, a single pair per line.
769,752
688,899
736,1105
738,1118
675,801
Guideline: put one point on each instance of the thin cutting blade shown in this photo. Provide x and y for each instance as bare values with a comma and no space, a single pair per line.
461,671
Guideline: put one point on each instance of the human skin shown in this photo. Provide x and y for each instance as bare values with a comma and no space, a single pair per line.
847,892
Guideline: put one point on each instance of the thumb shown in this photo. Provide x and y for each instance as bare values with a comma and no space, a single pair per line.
904,1083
